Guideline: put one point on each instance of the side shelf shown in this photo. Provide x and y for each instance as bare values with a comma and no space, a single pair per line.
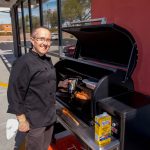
81,130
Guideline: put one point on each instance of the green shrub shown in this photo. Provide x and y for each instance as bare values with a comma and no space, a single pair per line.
5,33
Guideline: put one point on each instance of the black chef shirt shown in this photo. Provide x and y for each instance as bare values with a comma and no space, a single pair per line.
31,90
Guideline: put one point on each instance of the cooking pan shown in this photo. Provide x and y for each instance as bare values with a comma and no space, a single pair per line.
62,94
80,100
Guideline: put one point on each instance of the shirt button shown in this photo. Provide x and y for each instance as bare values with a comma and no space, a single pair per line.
48,81
50,93
45,68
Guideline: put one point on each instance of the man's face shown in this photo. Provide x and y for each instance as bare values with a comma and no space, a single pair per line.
41,41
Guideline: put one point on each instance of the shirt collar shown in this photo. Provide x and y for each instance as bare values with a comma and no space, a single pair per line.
36,54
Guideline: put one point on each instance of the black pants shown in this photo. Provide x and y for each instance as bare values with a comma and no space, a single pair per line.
19,139
39,138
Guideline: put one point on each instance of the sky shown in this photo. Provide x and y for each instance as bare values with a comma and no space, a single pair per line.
51,4
5,17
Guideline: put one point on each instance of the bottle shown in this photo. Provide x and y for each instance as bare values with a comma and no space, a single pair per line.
72,85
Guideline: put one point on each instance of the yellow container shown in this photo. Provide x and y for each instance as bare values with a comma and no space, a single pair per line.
103,129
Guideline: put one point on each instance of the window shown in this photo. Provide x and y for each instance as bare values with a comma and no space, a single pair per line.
35,13
50,20
20,25
27,24
73,11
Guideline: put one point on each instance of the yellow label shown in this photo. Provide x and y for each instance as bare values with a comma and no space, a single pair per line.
103,129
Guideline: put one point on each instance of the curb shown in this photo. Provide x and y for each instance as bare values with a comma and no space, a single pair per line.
5,61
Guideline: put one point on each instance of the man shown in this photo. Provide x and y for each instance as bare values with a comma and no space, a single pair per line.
31,92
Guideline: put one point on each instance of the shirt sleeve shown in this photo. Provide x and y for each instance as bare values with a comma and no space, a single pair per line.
18,85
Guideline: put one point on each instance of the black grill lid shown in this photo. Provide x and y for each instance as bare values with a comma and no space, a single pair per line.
109,44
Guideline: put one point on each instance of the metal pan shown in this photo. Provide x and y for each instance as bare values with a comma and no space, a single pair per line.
62,94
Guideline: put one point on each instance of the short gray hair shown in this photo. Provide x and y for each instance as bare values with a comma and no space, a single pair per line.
34,32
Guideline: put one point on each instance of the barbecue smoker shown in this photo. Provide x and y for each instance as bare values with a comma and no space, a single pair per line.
104,59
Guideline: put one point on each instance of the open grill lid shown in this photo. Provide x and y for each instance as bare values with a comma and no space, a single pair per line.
108,44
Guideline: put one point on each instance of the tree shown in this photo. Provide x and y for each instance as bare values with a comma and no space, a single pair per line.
35,21
75,9
53,19
46,17
86,11
27,23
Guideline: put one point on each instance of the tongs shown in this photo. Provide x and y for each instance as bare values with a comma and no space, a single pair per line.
67,113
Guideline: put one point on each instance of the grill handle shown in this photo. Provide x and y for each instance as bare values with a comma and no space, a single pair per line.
102,20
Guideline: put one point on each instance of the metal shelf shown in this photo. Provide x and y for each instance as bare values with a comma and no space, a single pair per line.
82,131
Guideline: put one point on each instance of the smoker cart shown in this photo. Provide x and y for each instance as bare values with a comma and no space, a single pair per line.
104,59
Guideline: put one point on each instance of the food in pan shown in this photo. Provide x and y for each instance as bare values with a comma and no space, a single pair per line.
82,95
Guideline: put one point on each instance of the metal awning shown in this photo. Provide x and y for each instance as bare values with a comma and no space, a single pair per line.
7,3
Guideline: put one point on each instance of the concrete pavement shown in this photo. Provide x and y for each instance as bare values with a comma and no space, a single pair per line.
4,76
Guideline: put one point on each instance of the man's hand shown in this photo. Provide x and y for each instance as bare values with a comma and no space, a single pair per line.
23,123
63,84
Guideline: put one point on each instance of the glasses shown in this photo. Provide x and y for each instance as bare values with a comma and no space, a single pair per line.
42,40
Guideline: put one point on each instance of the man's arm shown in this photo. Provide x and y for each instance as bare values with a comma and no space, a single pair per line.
18,85
17,88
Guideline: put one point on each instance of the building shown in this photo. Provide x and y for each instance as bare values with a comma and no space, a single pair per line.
6,27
